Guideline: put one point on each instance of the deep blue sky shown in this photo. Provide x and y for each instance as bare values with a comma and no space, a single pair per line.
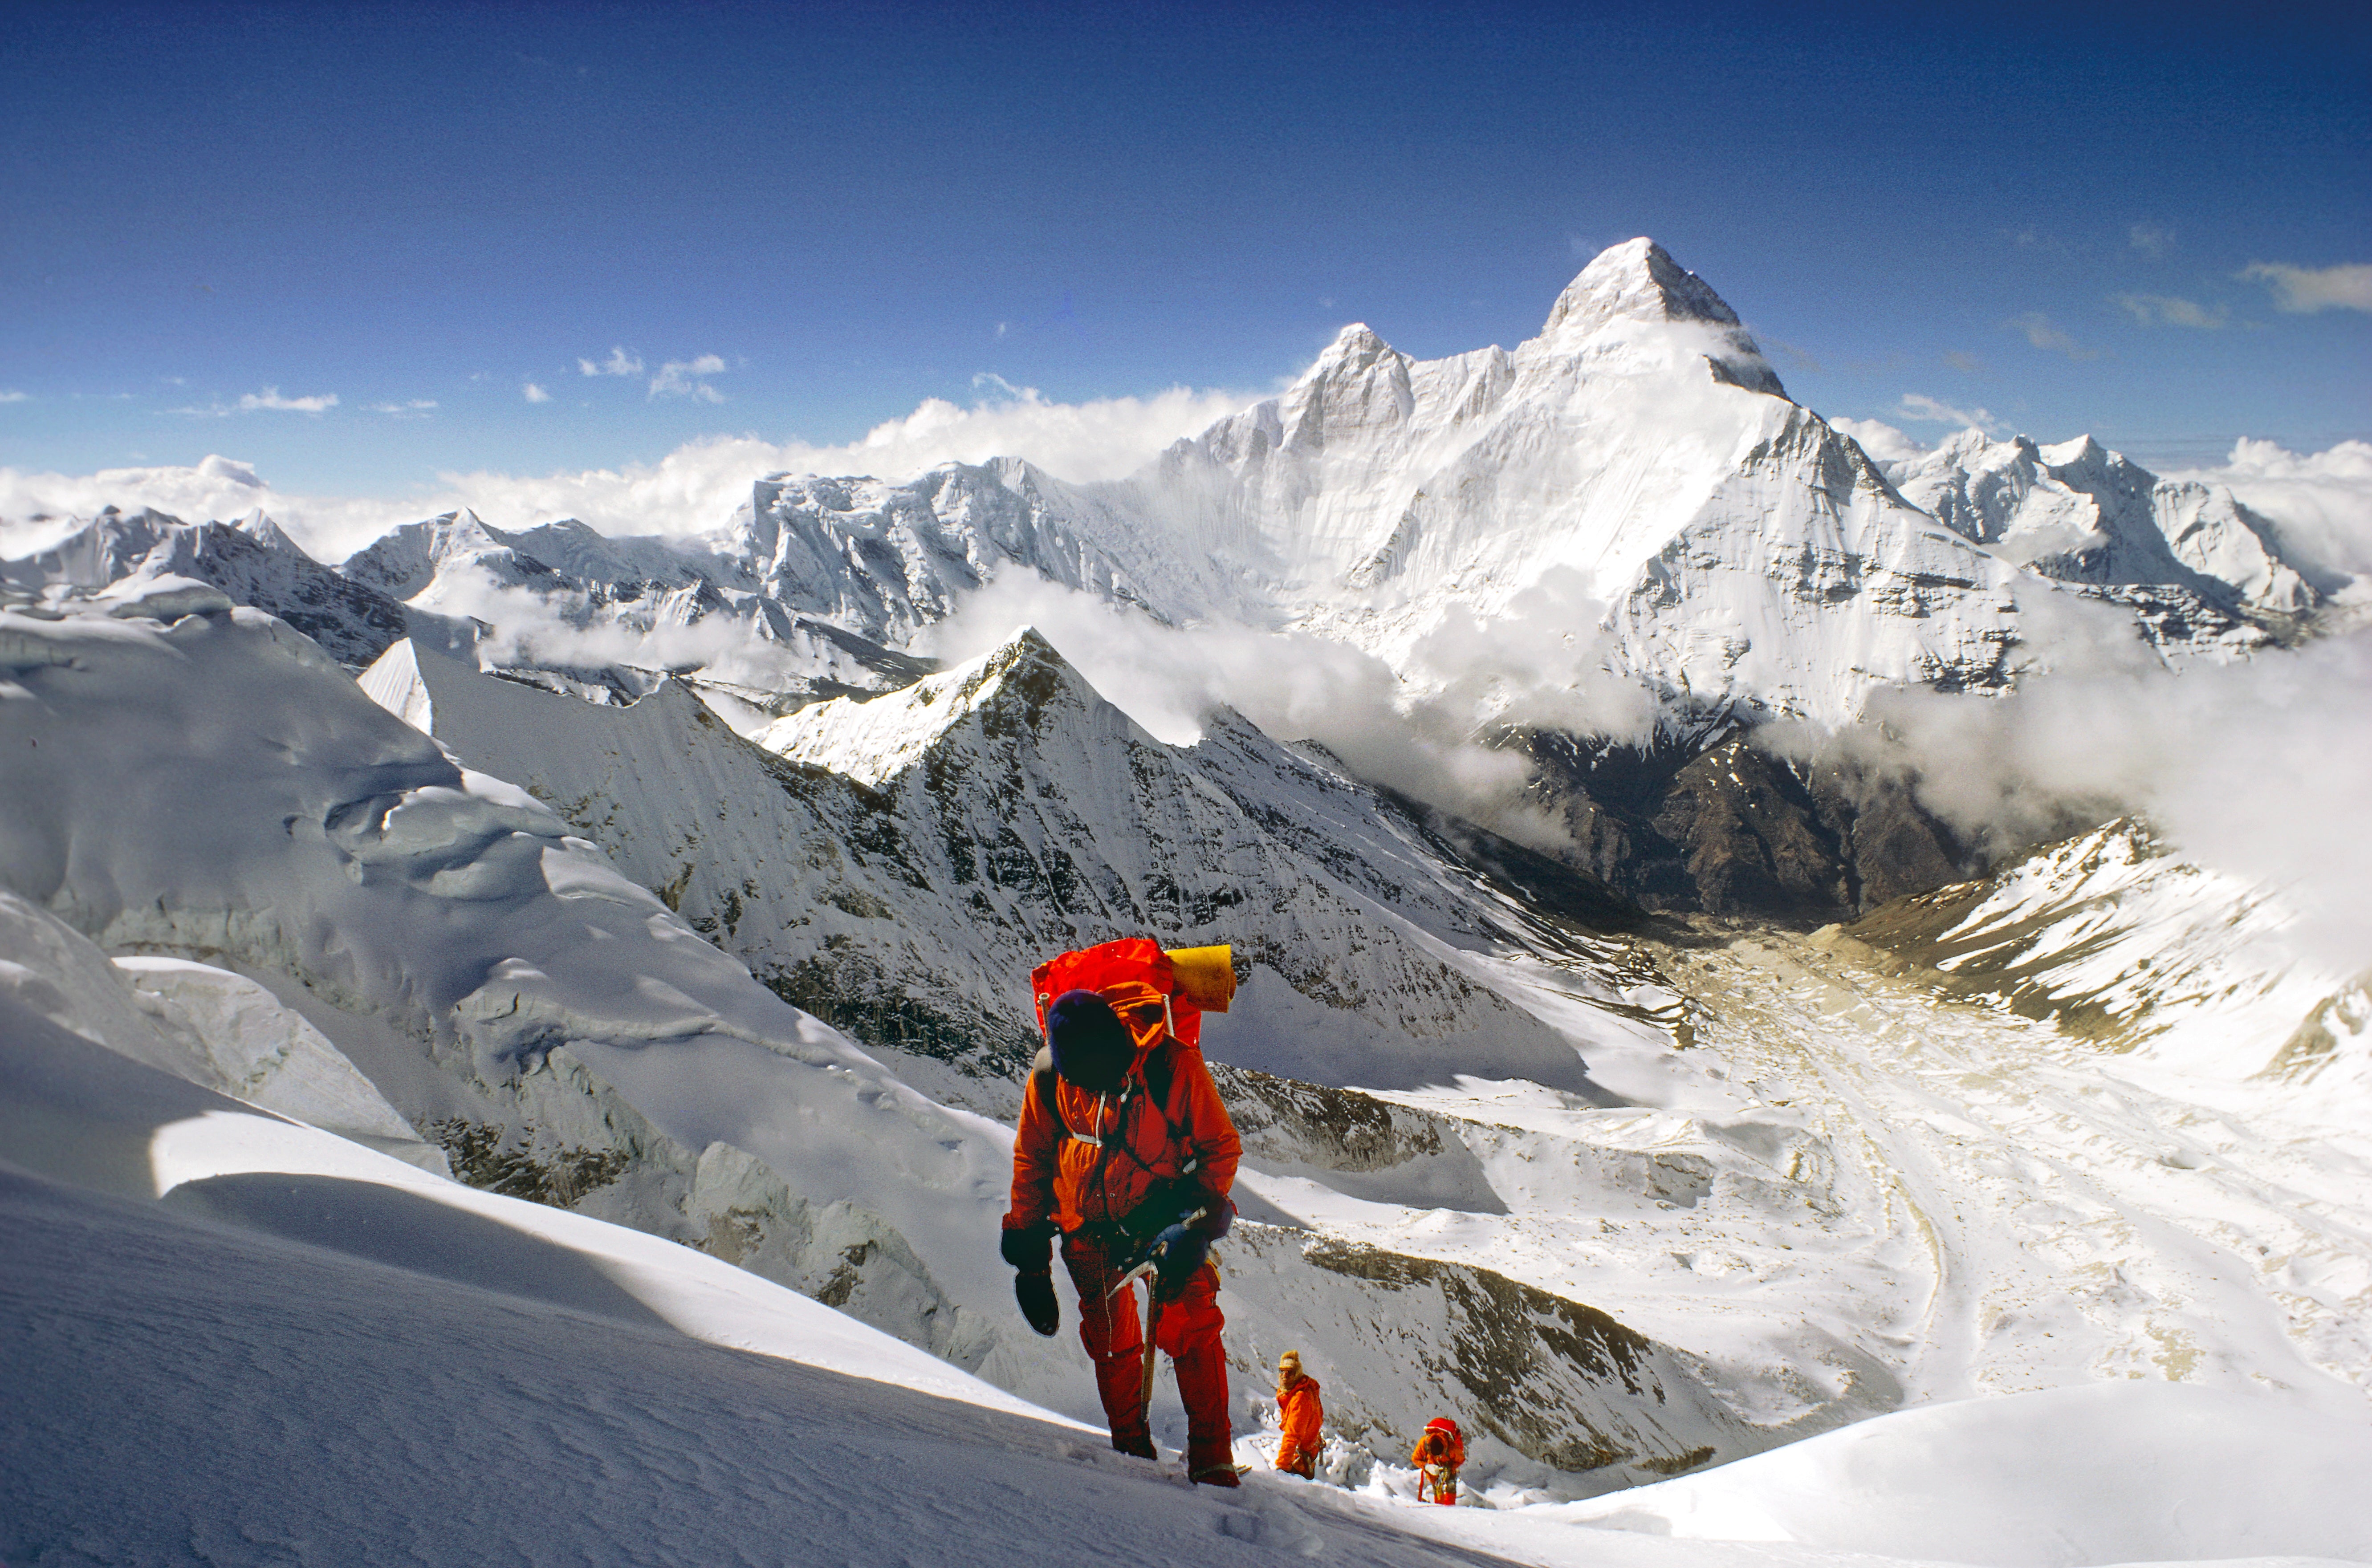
394,204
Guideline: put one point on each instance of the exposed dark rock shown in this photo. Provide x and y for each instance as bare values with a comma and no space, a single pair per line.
1725,827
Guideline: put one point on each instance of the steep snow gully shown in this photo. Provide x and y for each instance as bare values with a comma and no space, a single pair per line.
467,1094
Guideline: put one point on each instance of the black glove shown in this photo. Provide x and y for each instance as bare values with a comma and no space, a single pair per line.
1177,1253
1029,1248
1035,1292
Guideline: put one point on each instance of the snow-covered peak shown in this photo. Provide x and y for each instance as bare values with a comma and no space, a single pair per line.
1638,278
1635,309
404,560
874,740
258,526
1354,349
1360,383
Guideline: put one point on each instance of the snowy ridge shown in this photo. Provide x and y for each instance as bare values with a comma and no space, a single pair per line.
2080,513
2118,941
251,562
907,859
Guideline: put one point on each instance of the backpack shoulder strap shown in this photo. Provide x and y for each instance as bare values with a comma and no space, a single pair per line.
1041,1084
1160,1076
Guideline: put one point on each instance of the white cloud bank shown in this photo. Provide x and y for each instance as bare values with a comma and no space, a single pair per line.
2260,768
692,490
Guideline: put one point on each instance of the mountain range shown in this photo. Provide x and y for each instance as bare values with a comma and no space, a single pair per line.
1704,1096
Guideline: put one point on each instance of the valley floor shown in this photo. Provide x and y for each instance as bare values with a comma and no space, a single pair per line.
1847,1194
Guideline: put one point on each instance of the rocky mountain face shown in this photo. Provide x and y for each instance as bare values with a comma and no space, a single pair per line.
1730,828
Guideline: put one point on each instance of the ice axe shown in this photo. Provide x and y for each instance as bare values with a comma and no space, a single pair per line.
1147,1263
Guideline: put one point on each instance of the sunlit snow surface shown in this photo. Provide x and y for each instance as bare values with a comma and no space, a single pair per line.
307,1353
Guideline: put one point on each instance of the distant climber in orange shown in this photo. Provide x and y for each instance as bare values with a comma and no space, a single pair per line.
1301,1414
1439,1454
1126,1152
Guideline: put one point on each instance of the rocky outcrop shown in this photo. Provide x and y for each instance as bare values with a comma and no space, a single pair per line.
1731,828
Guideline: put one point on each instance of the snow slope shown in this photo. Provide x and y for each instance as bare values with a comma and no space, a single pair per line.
261,813
2123,942
562,1034
430,1373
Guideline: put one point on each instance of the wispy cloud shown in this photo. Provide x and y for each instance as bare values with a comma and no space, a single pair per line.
2150,239
1921,409
2164,310
620,363
2301,291
681,379
416,408
268,401
2039,332
15,397
1966,363
534,393
271,401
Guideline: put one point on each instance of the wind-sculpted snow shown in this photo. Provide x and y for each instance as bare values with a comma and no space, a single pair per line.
251,562
260,811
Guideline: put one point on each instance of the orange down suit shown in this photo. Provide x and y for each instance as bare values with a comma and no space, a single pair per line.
1439,1454
1301,1414
1089,1163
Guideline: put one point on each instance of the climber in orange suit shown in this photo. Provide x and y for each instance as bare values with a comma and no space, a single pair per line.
1299,1411
1124,1149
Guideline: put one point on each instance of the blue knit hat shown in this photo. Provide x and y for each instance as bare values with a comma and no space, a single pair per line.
1091,1046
